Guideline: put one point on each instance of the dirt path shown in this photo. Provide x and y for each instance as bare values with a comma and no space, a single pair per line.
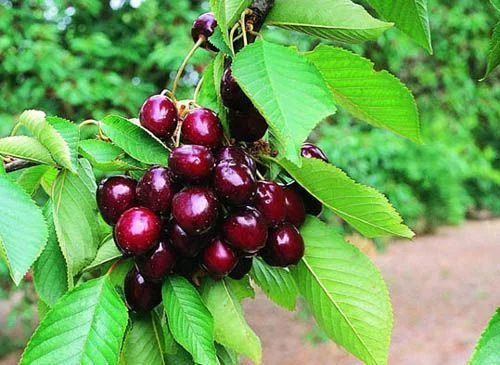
444,288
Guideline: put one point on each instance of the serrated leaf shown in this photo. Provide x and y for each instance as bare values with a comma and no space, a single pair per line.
338,20
226,356
135,140
144,341
486,351
86,326
287,90
29,179
378,98
227,13
70,133
189,320
50,272
26,148
494,51
231,328
410,16
361,206
345,292
107,252
48,179
277,283
217,40
23,231
107,157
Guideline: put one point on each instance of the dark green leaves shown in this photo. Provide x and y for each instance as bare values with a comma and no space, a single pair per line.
27,148
227,12
494,52
486,351
144,342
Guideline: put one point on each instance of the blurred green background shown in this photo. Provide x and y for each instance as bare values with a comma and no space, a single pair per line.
88,58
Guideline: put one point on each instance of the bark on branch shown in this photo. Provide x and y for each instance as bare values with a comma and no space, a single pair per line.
18,164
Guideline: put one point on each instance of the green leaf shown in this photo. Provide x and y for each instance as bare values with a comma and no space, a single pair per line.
227,13
43,308
496,4
106,253
75,218
231,329
410,16
135,140
277,283
2,169
48,179
23,231
241,288
26,148
486,351
494,52
50,272
346,293
378,98
226,356
85,327
270,75
144,341
337,20
217,40
107,157
361,206
189,320
29,179
71,134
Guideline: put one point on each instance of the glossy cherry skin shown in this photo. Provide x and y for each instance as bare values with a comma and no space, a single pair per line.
159,116
270,201
295,209
236,154
245,229
192,163
285,246
186,245
195,209
232,95
155,190
115,195
312,205
202,127
204,27
155,265
234,183
137,231
218,258
247,126
309,150
242,268
141,295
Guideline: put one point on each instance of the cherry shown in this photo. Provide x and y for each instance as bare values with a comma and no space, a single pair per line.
218,258
185,244
245,229
187,266
195,209
192,163
232,95
236,154
137,231
285,246
247,126
157,264
155,190
234,183
115,195
295,209
204,27
141,295
242,268
202,126
309,150
270,201
159,115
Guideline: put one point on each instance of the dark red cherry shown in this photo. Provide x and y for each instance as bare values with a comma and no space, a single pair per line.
232,95
295,209
245,229
159,116
115,195
234,183
137,231
236,154
202,127
270,201
186,245
284,247
141,295
204,27
312,205
242,268
155,265
187,266
310,150
195,209
218,258
155,190
247,126
192,163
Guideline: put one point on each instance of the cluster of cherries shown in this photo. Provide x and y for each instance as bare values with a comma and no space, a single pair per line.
206,213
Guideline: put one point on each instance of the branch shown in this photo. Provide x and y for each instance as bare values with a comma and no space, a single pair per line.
18,164
260,8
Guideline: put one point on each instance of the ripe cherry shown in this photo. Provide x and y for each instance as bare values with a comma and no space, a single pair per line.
295,209
310,150
234,183
155,190
236,154
159,116
141,295
115,195
137,231
185,244
202,127
155,265
192,163
312,205
245,229
247,126
232,95
195,209
285,246
187,266
242,268
270,201
204,28
218,258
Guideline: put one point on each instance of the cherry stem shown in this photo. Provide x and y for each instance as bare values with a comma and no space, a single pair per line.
244,26
114,265
197,90
231,36
15,129
259,175
184,63
88,122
